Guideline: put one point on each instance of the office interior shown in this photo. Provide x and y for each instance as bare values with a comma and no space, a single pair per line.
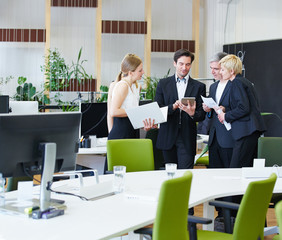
106,30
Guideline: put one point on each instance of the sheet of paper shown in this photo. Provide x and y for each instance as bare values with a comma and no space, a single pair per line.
151,110
209,102
212,104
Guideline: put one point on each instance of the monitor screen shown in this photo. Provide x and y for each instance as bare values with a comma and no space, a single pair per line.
23,107
21,137
94,119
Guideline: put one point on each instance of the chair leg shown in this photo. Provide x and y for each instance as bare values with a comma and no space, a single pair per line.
192,231
227,221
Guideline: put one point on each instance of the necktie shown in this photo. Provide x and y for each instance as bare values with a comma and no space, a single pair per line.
181,80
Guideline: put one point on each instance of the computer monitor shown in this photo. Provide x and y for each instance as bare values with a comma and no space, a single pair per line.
41,143
23,107
4,104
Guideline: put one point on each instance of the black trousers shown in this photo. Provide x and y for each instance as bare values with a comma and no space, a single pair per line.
179,155
219,157
244,151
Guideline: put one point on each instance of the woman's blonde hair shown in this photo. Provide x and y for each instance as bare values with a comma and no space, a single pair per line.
129,64
232,62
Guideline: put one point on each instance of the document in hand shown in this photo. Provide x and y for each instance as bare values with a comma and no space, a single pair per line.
151,110
212,104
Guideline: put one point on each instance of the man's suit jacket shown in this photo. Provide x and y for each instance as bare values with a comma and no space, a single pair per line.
224,137
244,116
167,95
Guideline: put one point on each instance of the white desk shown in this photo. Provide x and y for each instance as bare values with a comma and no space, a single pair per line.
112,216
93,157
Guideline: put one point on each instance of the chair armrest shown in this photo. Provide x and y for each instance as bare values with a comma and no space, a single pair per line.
226,209
192,225
144,231
199,220
223,204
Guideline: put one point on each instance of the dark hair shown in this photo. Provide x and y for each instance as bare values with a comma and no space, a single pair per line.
183,52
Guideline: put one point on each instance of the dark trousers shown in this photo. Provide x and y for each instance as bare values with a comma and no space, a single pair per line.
244,151
219,157
178,154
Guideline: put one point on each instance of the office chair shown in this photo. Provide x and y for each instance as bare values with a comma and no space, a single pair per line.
135,154
270,148
273,123
202,158
158,154
278,213
171,216
251,214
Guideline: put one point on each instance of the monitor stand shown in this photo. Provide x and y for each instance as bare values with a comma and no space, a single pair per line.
48,164
45,201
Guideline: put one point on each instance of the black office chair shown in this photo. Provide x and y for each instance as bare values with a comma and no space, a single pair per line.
158,155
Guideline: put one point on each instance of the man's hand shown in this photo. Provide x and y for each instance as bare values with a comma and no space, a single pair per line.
176,105
206,108
190,109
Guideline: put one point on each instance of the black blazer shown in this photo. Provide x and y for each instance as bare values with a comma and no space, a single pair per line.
244,116
166,95
224,137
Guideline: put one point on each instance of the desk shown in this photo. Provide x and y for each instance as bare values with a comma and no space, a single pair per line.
93,157
115,215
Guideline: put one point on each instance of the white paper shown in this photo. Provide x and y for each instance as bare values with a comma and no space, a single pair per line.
151,110
209,102
212,104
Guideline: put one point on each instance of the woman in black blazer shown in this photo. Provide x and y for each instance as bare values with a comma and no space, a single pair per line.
244,115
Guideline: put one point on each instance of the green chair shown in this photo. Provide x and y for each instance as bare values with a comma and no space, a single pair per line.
203,159
270,148
278,213
171,216
251,215
135,154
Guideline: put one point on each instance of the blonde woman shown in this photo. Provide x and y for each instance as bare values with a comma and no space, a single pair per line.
244,113
124,93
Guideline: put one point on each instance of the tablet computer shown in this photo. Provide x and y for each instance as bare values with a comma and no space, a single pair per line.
185,100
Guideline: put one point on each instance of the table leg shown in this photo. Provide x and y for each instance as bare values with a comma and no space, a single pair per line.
208,212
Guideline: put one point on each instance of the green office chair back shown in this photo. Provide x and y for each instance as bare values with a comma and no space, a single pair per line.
270,148
203,159
250,218
253,208
135,154
278,212
172,212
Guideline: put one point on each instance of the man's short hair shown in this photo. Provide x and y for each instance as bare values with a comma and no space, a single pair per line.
218,56
183,52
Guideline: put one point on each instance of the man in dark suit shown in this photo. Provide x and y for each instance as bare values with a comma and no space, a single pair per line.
244,114
220,139
177,136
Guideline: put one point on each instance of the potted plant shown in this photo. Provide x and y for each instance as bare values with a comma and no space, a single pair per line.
151,85
27,92
55,70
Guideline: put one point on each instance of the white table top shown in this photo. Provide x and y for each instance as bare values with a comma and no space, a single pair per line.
115,215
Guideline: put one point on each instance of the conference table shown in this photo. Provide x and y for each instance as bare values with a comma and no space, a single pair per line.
117,214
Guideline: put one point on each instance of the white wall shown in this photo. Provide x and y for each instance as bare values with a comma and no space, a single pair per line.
221,22
235,21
